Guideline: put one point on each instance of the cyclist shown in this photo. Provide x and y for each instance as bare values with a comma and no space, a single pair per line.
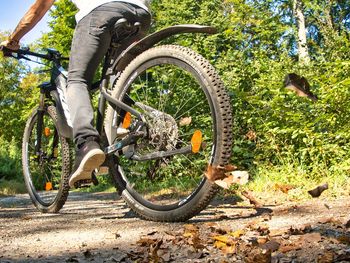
91,40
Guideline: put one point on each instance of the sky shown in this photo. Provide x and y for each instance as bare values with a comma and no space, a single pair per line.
11,12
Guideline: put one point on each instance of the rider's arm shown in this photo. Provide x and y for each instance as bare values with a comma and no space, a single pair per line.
30,19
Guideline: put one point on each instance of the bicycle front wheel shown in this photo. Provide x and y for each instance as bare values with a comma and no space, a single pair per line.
45,161
181,97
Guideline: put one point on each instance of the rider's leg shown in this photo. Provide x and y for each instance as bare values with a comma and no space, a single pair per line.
91,41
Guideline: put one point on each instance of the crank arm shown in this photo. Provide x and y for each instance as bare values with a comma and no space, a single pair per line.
130,139
162,154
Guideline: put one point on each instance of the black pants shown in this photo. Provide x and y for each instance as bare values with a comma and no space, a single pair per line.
91,41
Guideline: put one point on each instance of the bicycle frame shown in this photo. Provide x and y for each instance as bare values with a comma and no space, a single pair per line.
116,60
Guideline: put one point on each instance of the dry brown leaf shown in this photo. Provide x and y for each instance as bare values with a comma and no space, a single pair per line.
318,190
330,220
278,232
191,228
222,230
327,257
258,255
290,247
153,252
146,242
345,239
262,240
229,249
283,188
214,173
347,224
251,198
271,245
300,230
196,242
212,226
310,238
235,177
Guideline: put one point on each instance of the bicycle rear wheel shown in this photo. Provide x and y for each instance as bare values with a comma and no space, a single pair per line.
46,168
181,97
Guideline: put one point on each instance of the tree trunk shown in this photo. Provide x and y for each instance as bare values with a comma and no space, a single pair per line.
303,51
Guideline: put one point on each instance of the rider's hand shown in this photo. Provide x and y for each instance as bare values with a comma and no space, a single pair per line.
10,44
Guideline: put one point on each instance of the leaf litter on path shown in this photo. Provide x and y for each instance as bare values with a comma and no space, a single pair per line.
256,242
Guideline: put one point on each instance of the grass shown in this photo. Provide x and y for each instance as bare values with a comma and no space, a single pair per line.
267,182
12,187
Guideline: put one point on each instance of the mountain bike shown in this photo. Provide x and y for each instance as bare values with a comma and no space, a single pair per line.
163,115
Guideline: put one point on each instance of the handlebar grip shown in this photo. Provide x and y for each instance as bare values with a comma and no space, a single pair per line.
7,52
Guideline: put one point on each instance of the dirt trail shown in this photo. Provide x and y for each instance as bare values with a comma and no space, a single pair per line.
101,228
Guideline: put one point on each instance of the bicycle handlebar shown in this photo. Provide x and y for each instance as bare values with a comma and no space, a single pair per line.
21,53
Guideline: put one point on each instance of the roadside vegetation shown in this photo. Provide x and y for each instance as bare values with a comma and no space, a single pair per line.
281,139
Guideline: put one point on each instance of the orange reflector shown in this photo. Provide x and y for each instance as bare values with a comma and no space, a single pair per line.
196,141
48,186
47,131
127,120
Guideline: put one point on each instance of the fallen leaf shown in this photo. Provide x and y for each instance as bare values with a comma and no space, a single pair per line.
222,230
196,242
190,230
330,220
237,233
262,240
277,232
311,238
300,230
258,255
145,242
190,227
318,190
229,249
251,199
153,251
345,239
326,257
271,245
214,173
219,244
224,239
235,177
251,135
327,206
347,225
283,188
185,121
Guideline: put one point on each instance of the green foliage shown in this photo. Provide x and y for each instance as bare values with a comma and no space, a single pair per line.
255,47
62,26
10,165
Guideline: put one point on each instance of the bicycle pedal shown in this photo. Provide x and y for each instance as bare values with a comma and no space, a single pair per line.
83,183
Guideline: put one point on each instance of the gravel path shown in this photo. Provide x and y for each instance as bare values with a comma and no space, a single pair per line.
99,227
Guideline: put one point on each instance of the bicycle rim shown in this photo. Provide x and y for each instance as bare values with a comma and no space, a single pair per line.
44,169
178,106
